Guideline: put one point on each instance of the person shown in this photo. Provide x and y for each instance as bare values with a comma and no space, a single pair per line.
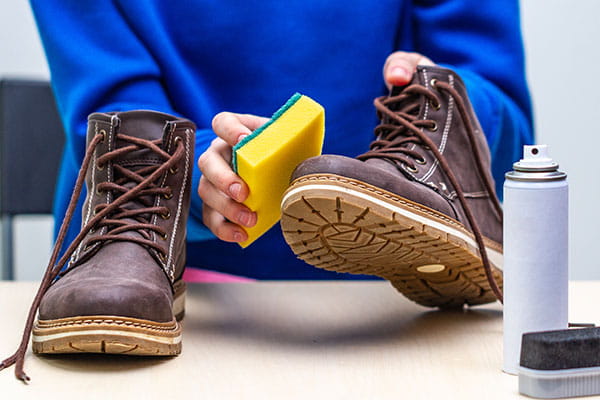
227,65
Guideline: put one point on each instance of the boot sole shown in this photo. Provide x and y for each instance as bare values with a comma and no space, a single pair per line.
112,334
344,225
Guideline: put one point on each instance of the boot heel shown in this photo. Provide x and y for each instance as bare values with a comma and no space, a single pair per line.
180,289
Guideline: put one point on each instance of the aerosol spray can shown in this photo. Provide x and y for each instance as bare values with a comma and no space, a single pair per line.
535,250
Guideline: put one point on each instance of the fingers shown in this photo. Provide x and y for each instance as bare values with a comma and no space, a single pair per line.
224,205
222,192
222,215
233,127
215,167
400,67
222,228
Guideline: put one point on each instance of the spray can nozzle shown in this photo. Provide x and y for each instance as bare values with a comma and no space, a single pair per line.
536,165
535,159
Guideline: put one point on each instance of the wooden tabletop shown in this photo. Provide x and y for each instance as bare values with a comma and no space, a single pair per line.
291,340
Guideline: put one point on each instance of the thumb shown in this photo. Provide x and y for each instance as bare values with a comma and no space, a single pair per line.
400,67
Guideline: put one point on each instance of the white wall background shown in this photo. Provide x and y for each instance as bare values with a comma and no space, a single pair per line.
21,52
563,58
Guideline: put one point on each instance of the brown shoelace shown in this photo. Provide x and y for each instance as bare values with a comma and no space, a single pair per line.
115,216
401,127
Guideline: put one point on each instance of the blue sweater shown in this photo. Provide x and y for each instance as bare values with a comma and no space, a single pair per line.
199,57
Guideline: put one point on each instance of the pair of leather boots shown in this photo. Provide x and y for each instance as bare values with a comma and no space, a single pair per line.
418,209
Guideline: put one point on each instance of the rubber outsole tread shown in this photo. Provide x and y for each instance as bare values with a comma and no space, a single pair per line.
337,231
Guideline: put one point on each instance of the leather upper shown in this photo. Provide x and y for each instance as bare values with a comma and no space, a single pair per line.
428,184
121,277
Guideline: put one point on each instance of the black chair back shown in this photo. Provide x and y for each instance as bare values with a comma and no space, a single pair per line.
31,145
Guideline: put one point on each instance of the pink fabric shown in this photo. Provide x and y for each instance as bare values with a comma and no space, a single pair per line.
202,275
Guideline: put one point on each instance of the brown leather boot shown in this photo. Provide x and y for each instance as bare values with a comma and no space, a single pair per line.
121,291
418,209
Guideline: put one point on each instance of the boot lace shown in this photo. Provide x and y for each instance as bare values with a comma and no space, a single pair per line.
401,127
131,209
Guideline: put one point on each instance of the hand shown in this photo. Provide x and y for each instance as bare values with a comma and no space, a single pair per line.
222,190
400,67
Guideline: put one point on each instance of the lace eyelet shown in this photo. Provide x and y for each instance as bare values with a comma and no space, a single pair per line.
421,161
436,106
173,170
433,82
99,167
412,169
162,257
434,128
103,133
98,192
177,140
167,215
167,196
164,236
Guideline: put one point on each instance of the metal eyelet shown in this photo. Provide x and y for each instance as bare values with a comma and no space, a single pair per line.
103,133
98,192
435,106
412,169
433,82
421,161
434,128
167,215
173,170
162,258
164,236
99,167
177,140
167,196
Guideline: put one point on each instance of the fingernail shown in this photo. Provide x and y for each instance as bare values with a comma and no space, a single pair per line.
245,218
242,137
234,190
237,236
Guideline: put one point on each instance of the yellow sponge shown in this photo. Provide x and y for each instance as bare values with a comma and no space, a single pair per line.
266,159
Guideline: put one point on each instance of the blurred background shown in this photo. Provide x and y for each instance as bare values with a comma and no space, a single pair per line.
562,60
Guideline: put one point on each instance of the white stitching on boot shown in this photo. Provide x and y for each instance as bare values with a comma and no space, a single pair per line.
445,134
179,204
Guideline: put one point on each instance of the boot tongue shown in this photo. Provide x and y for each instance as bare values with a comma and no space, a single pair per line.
146,125
142,125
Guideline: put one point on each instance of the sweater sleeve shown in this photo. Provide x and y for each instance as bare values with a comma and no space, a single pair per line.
481,41
98,63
